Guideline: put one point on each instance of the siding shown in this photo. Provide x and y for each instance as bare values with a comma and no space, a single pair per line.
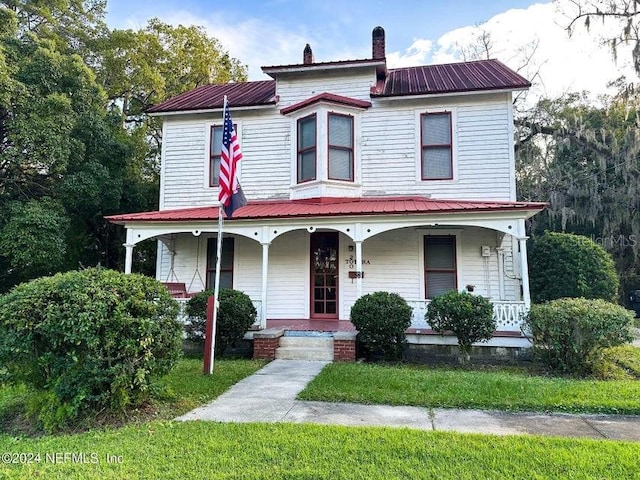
387,148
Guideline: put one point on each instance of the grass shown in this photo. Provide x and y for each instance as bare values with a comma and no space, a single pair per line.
183,389
457,388
199,450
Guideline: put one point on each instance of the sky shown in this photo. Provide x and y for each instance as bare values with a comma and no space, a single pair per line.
528,36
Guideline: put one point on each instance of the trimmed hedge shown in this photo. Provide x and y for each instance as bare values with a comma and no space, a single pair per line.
236,314
468,317
88,340
563,265
569,331
616,363
381,319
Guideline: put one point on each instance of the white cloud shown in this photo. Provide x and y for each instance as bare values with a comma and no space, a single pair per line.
416,54
563,63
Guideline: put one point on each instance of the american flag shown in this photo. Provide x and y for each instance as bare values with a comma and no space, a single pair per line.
231,196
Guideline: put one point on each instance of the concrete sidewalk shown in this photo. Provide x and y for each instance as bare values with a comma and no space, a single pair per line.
269,396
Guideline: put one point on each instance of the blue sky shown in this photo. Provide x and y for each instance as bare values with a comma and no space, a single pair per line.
346,21
274,32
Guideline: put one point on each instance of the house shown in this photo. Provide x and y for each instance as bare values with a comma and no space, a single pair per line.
359,178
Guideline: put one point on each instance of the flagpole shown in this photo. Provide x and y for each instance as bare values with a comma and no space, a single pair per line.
216,288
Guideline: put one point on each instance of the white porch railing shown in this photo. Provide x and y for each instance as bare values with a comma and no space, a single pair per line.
182,315
508,314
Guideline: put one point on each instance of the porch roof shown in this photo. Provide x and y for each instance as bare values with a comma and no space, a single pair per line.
332,207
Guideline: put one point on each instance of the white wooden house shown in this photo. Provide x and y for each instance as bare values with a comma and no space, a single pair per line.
359,178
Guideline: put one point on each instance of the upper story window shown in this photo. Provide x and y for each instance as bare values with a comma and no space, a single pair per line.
437,156
215,150
306,164
340,147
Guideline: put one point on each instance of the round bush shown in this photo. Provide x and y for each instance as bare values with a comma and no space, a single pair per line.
381,319
564,265
236,314
567,332
88,340
468,317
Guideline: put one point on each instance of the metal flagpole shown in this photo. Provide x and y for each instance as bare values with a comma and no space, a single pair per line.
216,288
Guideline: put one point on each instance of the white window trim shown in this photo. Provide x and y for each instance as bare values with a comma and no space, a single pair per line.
322,112
454,144
457,233
207,148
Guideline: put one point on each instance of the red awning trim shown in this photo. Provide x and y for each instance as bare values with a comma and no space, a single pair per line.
336,207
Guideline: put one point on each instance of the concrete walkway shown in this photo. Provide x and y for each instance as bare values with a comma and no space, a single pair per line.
269,396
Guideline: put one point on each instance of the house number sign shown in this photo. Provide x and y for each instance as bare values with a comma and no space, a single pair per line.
351,262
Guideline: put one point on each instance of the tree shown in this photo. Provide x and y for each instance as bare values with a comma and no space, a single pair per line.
584,160
623,14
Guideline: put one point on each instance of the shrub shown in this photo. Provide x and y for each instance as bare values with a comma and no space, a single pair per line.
564,265
236,314
568,331
381,319
88,340
616,363
468,317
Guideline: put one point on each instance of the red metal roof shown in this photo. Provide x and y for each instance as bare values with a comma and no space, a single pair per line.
452,77
337,207
326,97
207,97
273,70
424,80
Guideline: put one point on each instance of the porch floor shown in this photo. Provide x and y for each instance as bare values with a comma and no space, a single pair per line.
313,325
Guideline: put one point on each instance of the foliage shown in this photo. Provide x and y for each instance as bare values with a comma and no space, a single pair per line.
507,388
381,319
565,265
468,317
585,161
567,332
88,340
183,450
236,314
73,135
616,363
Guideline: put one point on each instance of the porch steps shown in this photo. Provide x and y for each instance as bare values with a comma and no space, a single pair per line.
305,348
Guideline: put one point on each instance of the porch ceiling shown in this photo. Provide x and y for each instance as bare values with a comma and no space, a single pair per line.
334,207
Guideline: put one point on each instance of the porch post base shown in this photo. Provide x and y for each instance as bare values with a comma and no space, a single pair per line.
344,346
266,342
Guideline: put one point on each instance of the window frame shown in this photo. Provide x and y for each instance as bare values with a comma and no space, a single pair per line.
423,147
212,268
209,157
300,152
352,168
456,273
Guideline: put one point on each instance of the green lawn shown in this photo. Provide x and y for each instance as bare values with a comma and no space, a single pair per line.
207,450
451,387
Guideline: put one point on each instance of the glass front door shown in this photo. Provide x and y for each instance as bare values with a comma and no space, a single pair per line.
324,275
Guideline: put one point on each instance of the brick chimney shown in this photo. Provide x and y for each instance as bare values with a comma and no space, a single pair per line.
307,55
378,47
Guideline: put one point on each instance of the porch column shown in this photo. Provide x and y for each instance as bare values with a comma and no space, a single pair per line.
128,259
359,268
265,270
500,251
524,272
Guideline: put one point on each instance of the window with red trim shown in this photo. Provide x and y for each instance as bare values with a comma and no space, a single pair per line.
226,262
340,147
436,156
306,163
439,265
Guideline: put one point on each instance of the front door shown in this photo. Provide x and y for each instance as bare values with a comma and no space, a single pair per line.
324,275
